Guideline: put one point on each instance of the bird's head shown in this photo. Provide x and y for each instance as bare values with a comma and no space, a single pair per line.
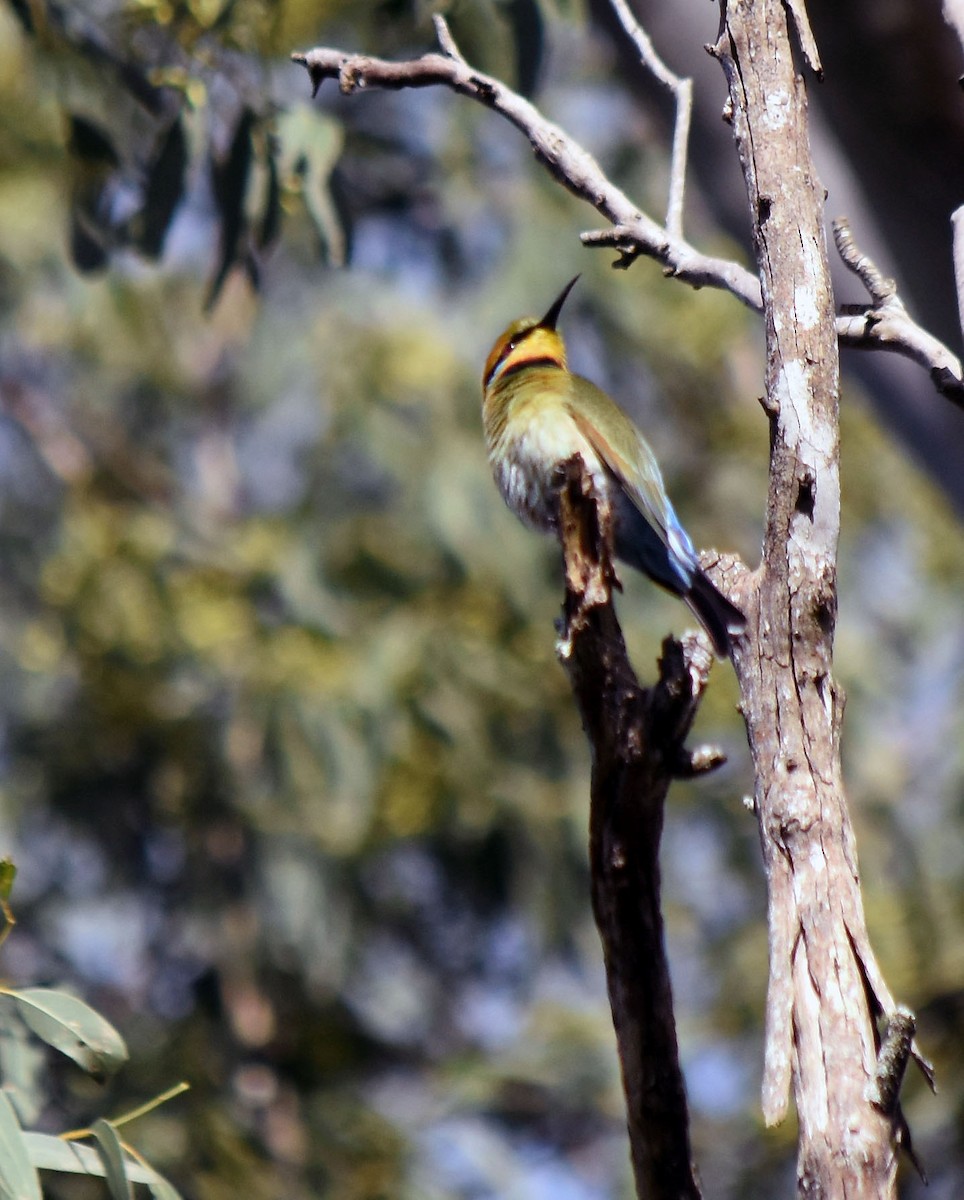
528,341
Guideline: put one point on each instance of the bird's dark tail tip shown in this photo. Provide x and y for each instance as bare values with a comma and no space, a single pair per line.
722,620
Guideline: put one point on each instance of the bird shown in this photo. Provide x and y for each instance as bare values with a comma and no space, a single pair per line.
537,415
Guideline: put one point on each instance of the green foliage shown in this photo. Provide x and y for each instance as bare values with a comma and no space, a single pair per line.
18,1179
67,1024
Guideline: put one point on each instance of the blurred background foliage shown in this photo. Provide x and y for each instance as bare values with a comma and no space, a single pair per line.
294,784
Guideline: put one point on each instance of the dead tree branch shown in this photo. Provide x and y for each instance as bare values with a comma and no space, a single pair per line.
633,234
637,738
886,324
561,154
682,92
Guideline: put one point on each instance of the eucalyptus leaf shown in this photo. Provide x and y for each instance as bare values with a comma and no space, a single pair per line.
115,1163
18,1177
73,1027
160,1188
230,179
22,1063
311,144
49,1153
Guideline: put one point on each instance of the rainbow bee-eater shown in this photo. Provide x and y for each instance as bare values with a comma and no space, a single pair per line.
537,414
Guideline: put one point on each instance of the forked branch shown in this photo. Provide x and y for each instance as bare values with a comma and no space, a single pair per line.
682,91
886,324
632,233
561,154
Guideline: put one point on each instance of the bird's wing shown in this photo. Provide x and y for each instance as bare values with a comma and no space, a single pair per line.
624,450
626,453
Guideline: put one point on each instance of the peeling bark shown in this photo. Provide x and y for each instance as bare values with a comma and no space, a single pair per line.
825,990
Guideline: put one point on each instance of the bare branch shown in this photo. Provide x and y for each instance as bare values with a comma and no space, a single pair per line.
886,324
954,16
957,224
682,90
881,288
808,43
825,991
564,157
445,39
634,234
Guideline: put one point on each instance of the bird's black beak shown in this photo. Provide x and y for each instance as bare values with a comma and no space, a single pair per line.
549,320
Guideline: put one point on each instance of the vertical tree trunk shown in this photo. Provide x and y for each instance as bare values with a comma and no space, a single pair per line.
824,991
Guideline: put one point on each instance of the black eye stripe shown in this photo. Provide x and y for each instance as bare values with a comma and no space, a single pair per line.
517,341
511,344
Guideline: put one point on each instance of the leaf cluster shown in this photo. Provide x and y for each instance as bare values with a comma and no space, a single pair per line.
66,1024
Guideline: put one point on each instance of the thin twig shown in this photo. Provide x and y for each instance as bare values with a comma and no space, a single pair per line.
808,43
886,324
76,1135
682,90
446,41
957,224
882,289
148,1107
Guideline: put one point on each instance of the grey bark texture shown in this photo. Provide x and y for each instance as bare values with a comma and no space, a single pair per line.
825,990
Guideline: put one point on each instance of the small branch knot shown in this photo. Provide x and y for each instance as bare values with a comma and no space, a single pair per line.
700,761
350,79
892,1059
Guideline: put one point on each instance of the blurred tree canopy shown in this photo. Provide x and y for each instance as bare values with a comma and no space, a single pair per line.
293,782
